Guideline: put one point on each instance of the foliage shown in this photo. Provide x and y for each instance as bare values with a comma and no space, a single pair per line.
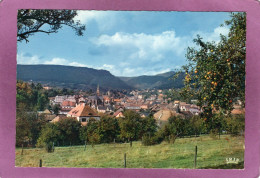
149,140
161,81
56,108
49,134
131,126
235,125
175,127
30,97
83,134
69,131
109,129
93,131
216,71
30,22
149,126
28,128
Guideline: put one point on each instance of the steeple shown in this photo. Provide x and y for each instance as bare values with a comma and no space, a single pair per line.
98,90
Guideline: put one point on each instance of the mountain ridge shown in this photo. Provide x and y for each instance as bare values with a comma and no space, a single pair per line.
88,78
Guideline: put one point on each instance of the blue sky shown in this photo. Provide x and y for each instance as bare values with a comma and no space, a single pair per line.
126,43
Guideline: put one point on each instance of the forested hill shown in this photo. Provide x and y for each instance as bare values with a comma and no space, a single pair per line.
70,77
160,81
88,78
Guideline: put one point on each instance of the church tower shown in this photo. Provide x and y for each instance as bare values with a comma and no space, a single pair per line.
98,90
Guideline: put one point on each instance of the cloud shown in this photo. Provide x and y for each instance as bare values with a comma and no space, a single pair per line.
57,61
143,46
27,59
62,61
132,54
100,17
213,36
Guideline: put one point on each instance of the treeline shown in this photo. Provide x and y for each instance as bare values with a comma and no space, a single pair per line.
35,131
33,97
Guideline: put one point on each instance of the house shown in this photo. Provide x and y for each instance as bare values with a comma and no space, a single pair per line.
48,116
60,99
144,115
107,99
104,109
184,107
46,111
66,106
95,100
133,107
83,113
162,116
60,117
194,111
47,88
144,106
119,113
176,103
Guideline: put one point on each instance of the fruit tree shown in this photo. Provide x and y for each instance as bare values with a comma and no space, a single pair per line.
215,72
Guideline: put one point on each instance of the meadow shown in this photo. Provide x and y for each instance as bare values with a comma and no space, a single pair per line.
212,153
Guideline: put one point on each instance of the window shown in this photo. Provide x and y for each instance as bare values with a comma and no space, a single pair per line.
83,120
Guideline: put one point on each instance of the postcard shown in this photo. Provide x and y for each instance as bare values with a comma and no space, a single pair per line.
146,92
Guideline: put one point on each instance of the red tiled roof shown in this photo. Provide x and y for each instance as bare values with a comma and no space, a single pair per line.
68,103
82,110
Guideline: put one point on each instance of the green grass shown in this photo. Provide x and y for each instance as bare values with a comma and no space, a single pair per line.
212,153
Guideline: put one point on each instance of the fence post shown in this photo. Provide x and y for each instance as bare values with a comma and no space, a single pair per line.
40,164
125,160
22,150
195,157
52,146
85,145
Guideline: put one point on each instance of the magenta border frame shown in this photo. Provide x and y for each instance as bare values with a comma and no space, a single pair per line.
8,19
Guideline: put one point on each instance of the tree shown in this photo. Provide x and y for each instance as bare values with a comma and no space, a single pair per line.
69,131
83,134
56,108
93,131
49,134
175,127
149,126
30,22
109,129
131,126
28,127
216,71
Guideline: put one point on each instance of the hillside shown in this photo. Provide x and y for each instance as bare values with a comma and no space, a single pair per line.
69,76
160,81
88,78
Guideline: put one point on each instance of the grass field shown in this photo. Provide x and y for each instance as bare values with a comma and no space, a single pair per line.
212,153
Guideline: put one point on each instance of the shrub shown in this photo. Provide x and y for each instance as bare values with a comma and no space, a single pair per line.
49,147
213,133
156,139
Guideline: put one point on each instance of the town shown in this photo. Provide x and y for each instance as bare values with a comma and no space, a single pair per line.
83,108
149,102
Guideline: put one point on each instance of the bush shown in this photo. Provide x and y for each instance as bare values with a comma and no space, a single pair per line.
235,124
49,147
156,139
213,133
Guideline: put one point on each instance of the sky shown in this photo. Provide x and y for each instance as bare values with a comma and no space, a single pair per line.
126,43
